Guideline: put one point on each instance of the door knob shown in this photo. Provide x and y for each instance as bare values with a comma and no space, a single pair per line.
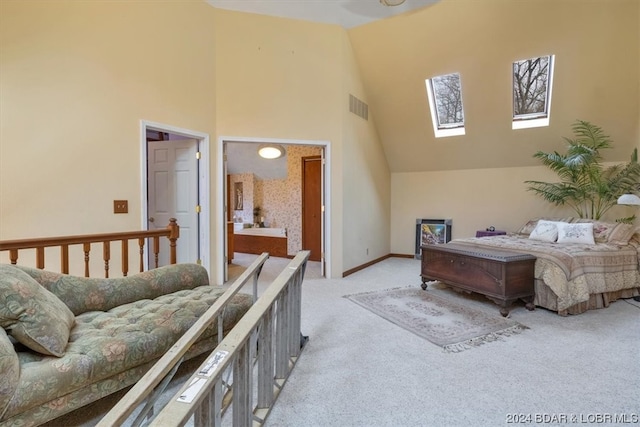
152,219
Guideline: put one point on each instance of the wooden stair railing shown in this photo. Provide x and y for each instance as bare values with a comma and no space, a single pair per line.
172,232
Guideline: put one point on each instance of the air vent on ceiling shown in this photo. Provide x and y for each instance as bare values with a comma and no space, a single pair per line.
358,107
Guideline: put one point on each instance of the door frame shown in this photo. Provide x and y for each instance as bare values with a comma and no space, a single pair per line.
204,225
221,199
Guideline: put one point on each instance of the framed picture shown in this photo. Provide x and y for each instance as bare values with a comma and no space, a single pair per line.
431,232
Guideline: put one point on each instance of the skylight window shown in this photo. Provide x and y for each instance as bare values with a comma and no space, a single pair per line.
445,100
532,82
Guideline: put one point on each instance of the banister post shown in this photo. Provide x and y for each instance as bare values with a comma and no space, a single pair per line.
13,256
174,234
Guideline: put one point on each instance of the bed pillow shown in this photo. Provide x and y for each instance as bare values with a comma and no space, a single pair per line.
576,233
546,231
31,314
530,225
610,232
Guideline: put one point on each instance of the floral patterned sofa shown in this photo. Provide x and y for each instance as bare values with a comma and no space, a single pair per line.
67,341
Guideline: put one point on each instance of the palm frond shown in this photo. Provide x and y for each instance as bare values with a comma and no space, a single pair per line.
585,184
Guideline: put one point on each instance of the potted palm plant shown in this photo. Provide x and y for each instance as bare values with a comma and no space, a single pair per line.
586,186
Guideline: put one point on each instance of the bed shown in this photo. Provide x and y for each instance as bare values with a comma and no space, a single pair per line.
580,264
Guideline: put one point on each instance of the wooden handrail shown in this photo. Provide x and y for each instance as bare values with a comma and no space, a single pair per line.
172,232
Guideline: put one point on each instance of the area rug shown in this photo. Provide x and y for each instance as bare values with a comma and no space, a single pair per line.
449,324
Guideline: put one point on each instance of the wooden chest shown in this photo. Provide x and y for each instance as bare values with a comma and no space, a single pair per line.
500,275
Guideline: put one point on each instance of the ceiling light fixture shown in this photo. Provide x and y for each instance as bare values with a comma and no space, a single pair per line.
271,151
392,2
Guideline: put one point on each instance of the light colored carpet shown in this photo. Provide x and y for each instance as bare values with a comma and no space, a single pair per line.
359,370
442,321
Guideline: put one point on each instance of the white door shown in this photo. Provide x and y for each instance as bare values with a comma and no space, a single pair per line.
172,180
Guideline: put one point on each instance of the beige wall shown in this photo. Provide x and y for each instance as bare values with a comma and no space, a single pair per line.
280,79
474,199
286,79
76,79
366,177
73,93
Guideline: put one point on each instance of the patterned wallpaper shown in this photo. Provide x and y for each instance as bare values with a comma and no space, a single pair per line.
280,199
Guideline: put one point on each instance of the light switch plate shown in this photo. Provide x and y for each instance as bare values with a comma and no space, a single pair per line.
120,206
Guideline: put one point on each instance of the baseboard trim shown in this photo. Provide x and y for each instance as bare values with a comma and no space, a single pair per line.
375,261
402,256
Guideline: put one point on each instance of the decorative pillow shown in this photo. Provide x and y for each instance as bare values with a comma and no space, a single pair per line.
546,231
610,232
10,368
576,233
31,314
530,225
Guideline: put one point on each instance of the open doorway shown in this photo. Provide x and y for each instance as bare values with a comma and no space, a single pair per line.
175,185
278,198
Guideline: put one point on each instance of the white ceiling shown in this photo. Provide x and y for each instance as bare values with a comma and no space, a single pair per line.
242,157
346,13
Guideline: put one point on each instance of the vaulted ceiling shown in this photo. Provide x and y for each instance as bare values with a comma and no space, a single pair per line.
397,48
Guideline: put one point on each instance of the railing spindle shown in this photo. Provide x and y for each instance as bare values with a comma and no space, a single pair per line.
141,253
86,247
64,259
106,256
156,250
125,257
174,234
40,257
13,256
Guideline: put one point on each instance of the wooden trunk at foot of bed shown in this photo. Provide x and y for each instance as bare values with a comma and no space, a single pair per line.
276,246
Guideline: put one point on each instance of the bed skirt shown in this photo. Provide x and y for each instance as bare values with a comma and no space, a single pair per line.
546,298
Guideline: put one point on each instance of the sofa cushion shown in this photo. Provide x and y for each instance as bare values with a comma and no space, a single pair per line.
32,315
10,369
85,294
